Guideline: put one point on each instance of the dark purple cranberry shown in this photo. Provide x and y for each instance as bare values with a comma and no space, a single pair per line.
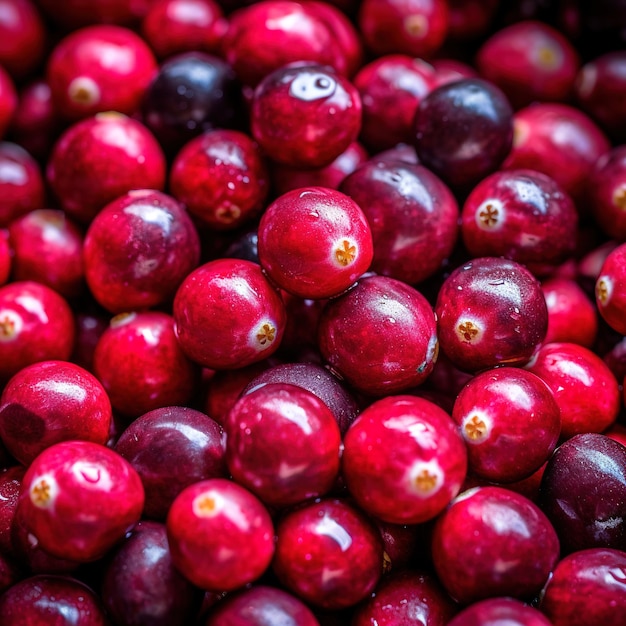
498,612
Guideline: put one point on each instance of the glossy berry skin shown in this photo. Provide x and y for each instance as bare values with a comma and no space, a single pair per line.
493,542
314,242
222,179
172,448
424,473
140,584
412,214
228,315
328,553
99,68
10,485
583,386
79,498
36,324
220,536
141,365
521,215
583,493
8,101
261,606
587,587
498,611
305,115
49,599
463,131
283,444
5,257
49,402
510,422
380,336
101,158
138,250
490,312
610,290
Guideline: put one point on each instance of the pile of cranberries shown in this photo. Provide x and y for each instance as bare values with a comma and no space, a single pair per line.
312,313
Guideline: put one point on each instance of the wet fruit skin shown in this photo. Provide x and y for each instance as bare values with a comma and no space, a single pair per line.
610,290
497,611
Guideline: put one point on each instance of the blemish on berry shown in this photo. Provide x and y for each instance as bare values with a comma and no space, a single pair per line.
227,213
10,325
345,253
468,331
83,90
416,25
619,198
41,493
603,290
475,428
266,334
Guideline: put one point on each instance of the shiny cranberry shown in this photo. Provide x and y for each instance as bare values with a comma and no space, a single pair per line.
493,542
587,587
409,27
141,586
10,486
172,448
583,386
21,183
510,422
559,141
221,177
521,215
79,498
380,336
451,70
220,536
314,242
463,130
6,256
611,290
141,365
305,115
499,611
391,83
424,473
228,315
73,14
328,553
490,312
101,158
36,324
412,214
47,599
8,101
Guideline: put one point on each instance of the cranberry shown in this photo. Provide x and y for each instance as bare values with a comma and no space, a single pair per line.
8,101
10,486
221,177
36,324
73,14
6,254
610,290
499,611
412,214
79,498
493,542
101,158
491,312
328,553
319,113
587,587
469,19
141,365
463,130
172,448
401,152
583,386
220,536
380,336
314,242
227,315
451,70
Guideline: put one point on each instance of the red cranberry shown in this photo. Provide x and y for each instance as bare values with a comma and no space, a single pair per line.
305,115
463,130
412,214
314,242
6,256
424,473
172,448
380,336
48,248
21,183
510,422
79,498
587,587
141,586
47,599
8,101
402,152
228,315
10,486
493,542
611,290
73,14
101,158
583,386
490,312
220,536
138,250
141,365
221,177
499,611
328,553
36,324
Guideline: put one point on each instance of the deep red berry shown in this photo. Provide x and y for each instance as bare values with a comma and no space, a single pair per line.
496,611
